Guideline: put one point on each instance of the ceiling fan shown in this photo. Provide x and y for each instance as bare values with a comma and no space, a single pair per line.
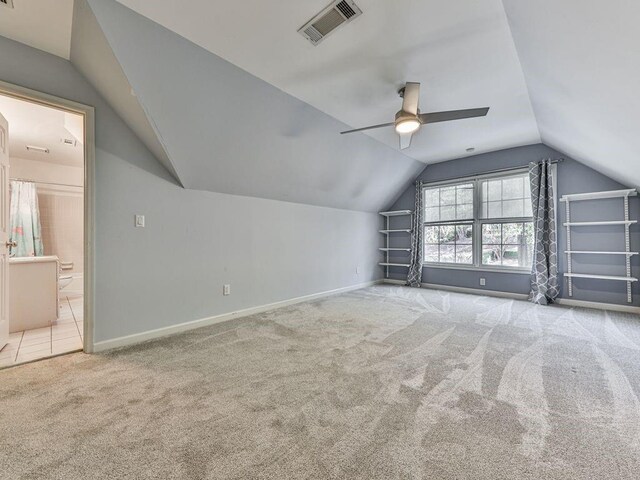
409,119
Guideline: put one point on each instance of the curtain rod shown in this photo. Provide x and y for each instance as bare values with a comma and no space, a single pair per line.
488,172
46,183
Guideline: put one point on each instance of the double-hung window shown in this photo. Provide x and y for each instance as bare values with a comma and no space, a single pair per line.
485,222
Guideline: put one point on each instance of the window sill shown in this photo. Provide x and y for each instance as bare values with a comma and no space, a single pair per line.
519,271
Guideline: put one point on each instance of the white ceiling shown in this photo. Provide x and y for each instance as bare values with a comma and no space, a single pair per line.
582,64
462,52
37,125
42,24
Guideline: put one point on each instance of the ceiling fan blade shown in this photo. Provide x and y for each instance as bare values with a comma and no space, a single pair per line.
436,117
405,140
411,97
368,128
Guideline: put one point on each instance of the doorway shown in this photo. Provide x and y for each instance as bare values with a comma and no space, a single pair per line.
46,172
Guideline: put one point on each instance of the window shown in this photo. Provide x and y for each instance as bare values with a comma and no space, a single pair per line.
485,222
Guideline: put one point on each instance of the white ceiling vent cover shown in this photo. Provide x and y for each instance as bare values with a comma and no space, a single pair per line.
339,12
6,3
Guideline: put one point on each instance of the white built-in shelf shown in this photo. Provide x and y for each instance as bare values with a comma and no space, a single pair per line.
396,213
599,195
396,231
394,264
630,254
601,277
610,222
384,249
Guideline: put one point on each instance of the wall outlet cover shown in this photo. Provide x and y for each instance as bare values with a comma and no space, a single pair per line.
483,281
139,221
226,289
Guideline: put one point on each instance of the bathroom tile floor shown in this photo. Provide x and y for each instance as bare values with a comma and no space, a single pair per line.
62,337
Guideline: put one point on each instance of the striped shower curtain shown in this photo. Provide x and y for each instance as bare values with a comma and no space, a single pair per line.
24,216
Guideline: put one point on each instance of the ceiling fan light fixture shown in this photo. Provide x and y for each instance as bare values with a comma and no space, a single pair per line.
407,126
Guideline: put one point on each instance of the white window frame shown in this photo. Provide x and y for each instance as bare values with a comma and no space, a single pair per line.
477,223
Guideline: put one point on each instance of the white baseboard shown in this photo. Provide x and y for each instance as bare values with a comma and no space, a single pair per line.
203,322
570,302
567,302
472,291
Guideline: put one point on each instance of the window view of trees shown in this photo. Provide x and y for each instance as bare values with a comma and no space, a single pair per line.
498,232
507,244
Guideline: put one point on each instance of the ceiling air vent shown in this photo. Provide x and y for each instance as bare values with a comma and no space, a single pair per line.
339,12
6,3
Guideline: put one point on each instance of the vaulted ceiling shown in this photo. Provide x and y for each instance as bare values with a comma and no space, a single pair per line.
563,73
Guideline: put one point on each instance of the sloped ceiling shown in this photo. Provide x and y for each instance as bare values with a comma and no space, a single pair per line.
227,131
581,59
93,57
41,24
461,51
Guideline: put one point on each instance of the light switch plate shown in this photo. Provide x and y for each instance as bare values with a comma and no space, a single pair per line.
140,221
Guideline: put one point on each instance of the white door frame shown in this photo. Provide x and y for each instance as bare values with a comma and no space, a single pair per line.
88,114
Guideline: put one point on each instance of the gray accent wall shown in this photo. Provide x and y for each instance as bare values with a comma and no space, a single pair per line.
573,177
173,270
227,131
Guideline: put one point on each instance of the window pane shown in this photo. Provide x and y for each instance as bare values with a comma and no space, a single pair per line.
513,188
447,213
510,256
528,233
494,209
512,233
491,234
464,254
513,208
447,233
506,197
432,214
494,189
464,234
431,197
448,196
507,244
449,244
431,234
465,194
431,253
464,212
449,203
491,255
447,253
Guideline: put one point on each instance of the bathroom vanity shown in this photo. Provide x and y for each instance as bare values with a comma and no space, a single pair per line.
33,292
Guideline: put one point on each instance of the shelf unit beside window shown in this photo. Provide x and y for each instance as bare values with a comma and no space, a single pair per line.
388,233
626,223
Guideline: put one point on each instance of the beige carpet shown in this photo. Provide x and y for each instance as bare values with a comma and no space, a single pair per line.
381,383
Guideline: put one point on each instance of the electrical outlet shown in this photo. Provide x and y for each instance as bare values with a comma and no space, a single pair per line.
226,290
357,270
139,221
483,281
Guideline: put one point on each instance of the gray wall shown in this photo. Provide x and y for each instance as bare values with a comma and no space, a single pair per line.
573,177
173,270
227,131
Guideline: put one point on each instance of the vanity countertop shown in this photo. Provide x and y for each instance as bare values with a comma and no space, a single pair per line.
46,258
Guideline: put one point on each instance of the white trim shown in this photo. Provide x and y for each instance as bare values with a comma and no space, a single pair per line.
570,302
472,268
472,291
566,302
203,322
88,113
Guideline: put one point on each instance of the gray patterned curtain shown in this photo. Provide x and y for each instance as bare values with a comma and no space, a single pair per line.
544,271
414,278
